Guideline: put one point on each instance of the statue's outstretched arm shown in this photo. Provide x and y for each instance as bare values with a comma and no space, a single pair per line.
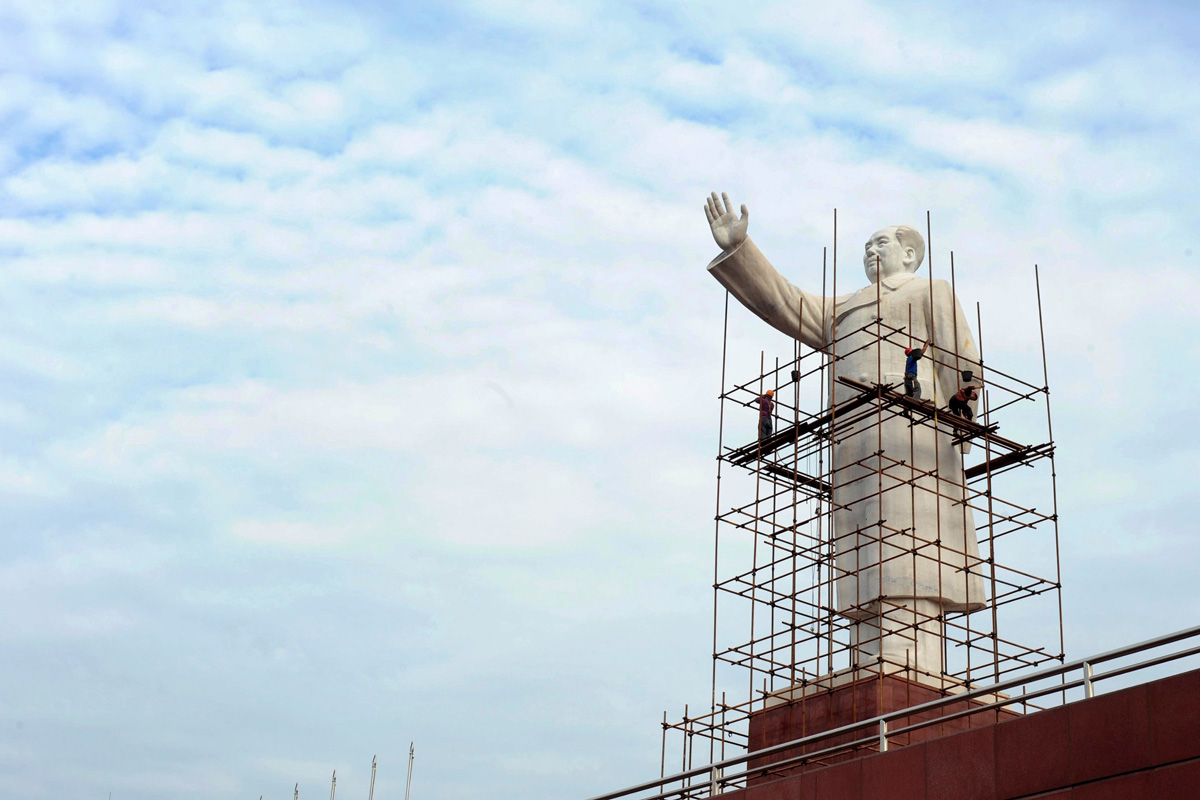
748,275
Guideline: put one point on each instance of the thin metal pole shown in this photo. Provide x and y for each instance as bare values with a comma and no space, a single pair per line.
371,793
879,486
774,516
663,768
757,516
962,468
333,786
825,552
686,725
912,507
954,312
690,743
987,444
1062,649
295,793
724,706
716,515
795,497
937,449
834,533
412,746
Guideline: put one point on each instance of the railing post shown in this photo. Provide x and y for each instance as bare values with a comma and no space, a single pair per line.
883,735
714,787
1088,689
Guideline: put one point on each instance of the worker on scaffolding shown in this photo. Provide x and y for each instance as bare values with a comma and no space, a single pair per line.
960,404
765,406
912,386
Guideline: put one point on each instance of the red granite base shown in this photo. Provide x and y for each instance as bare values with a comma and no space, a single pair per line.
1139,743
828,709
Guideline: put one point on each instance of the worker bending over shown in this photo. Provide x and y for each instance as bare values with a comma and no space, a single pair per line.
960,403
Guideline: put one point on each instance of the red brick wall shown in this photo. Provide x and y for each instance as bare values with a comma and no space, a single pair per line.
1141,743
863,700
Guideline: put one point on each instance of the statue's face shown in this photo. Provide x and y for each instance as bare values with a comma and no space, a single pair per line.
885,253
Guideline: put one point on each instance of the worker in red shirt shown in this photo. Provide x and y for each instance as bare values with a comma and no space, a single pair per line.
960,403
765,406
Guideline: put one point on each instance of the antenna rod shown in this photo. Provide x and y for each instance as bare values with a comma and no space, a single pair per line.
333,788
371,794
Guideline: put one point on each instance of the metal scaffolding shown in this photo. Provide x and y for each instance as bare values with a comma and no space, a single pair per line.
778,634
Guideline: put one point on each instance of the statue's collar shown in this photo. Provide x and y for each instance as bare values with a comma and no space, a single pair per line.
894,282
866,295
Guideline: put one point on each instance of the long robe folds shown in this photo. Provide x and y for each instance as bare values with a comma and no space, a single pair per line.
880,519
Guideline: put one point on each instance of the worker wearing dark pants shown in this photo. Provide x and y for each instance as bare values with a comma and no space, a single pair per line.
765,406
912,386
960,403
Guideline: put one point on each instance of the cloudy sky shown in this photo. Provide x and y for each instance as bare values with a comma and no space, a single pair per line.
358,361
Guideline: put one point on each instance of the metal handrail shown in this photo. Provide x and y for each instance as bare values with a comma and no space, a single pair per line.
883,730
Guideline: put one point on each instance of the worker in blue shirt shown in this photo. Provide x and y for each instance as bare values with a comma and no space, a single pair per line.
912,387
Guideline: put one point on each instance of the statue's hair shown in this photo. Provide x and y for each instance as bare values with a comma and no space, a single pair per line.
910,237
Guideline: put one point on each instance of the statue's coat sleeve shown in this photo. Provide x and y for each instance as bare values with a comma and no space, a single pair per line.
749,277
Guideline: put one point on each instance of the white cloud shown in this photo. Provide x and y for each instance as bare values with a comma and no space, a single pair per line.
45,362
289,534
888,44
19,479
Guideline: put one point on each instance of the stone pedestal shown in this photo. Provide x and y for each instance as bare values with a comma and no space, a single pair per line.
1139,743
853,697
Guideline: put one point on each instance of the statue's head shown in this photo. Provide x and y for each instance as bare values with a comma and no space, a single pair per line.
895,250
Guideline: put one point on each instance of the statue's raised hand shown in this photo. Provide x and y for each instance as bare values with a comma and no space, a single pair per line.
727,229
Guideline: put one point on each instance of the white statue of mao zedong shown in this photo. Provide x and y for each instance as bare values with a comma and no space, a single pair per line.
905,547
